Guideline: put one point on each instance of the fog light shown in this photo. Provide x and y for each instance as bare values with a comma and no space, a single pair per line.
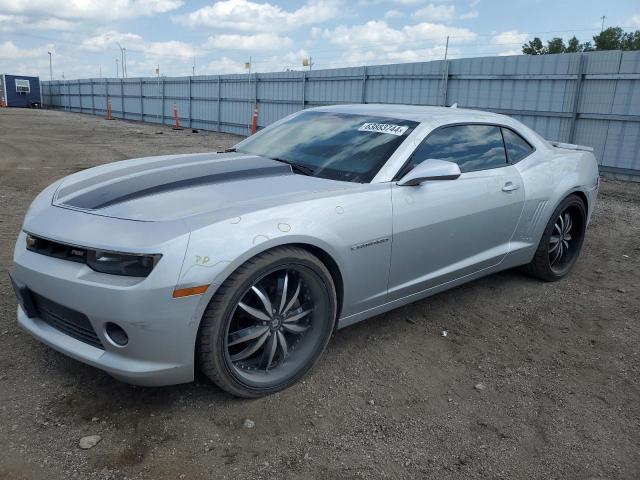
116,334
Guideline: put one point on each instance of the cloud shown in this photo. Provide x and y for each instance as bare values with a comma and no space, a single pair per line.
378,32
633,21
257,42
88,9
9,51
224,65
435,13
245,15
393,14
510,37
375,42
109,39
409,3
170,49
469,15
10,23
507,53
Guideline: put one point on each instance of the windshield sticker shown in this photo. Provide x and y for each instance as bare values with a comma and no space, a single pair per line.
397,130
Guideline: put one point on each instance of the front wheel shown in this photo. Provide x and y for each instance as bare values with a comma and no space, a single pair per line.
561,241
268,323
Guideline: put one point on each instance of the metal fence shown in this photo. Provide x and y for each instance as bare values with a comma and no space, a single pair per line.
585,98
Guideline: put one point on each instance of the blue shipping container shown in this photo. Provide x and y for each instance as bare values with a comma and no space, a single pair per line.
20,91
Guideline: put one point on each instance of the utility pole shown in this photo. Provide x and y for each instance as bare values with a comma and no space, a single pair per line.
124,52
602,27
445,72
193,68
50,68
446,49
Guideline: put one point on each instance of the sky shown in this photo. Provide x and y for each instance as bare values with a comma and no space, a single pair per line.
217,37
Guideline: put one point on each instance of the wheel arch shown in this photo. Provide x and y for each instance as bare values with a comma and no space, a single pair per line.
320,251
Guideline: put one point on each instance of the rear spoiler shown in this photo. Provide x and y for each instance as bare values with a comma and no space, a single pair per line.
571,146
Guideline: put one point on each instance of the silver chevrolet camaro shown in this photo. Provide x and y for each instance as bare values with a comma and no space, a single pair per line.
243,263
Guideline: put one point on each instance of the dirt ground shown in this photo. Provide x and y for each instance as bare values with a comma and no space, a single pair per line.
391,398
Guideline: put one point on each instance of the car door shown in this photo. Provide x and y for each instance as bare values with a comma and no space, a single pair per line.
447,229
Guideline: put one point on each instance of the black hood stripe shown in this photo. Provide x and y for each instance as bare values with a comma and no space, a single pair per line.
160,181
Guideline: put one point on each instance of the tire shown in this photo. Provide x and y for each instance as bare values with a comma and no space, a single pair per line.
237,319
559,248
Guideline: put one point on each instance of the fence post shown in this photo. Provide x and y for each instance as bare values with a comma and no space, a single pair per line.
189,102
219,102
80,95
304,83
122,97
93,100
141,102
255,101
364,85
576,98
162,103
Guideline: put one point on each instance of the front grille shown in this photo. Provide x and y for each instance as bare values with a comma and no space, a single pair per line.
50,248
71,322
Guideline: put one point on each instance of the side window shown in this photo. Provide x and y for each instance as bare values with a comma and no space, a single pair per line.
472,147
517,147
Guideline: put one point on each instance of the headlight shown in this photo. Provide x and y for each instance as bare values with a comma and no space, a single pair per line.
103,261
121,263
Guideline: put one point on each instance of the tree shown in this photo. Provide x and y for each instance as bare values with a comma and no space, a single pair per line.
534,47
612,38
555,45
574,45
609,39
631,41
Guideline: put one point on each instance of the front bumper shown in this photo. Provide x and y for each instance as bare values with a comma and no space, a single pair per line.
161,330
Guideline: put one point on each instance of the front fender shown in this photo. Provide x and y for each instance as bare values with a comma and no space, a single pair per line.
216,251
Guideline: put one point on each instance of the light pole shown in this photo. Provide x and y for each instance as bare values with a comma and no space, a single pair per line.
50,68
117,69
122,56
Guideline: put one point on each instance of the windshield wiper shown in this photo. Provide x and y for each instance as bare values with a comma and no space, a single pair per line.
303,169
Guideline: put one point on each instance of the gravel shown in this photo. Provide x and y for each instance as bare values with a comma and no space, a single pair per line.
561,359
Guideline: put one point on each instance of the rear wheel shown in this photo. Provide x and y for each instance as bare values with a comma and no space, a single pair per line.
561,241
268,323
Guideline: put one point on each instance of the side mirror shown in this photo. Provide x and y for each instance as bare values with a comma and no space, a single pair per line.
430,169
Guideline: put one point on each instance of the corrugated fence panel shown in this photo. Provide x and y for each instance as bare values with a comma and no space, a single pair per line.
590,98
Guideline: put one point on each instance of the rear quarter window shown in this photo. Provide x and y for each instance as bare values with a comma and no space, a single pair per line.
516,146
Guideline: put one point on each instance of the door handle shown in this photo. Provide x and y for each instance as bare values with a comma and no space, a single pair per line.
510,187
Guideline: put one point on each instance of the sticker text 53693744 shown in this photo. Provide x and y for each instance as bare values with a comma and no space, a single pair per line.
397,130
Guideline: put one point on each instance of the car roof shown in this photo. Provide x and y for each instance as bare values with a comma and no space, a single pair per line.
419,113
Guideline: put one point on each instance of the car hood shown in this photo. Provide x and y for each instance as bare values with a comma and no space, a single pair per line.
180,186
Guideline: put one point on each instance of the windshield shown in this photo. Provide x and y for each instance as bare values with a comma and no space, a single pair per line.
331,145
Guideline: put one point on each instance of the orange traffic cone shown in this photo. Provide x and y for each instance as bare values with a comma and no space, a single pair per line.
109,112
176,117
254,120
